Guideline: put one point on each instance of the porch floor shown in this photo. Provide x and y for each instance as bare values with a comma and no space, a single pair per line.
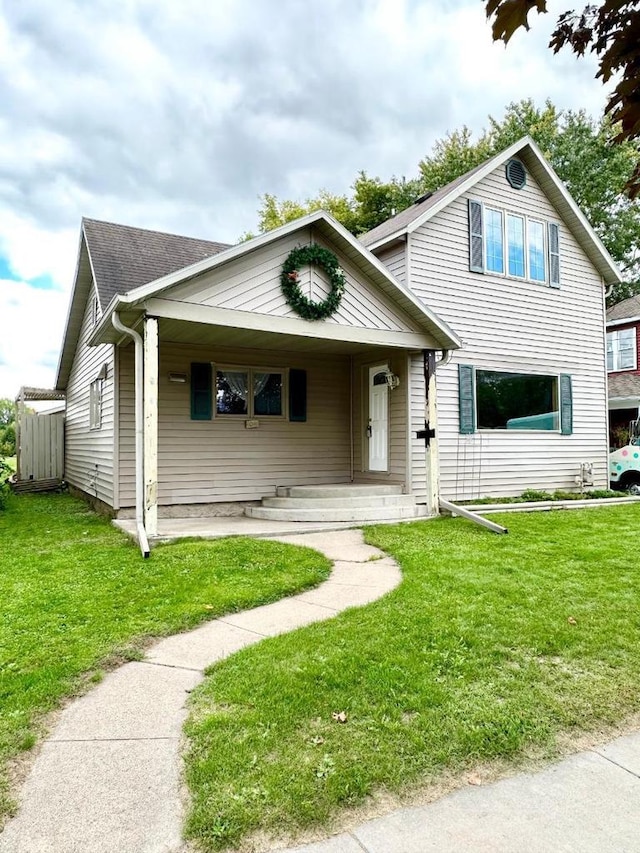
216,527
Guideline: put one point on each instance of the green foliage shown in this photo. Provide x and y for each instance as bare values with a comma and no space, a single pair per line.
492,650
7,411
304,307
5,472
78,598
8,440
580,149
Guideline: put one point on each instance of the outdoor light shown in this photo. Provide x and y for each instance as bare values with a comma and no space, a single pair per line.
178,377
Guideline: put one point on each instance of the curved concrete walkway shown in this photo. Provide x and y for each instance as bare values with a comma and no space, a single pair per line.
107,780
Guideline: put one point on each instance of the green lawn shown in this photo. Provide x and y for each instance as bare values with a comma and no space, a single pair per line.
493,648
77,596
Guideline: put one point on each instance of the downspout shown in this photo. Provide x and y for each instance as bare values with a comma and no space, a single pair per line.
143,540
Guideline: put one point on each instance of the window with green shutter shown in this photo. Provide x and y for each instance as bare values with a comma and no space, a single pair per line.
566,404
467,398
201,392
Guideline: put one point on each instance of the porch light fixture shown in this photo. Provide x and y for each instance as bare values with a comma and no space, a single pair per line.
178,377
393,381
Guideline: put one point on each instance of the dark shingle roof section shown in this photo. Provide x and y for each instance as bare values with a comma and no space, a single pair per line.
626,309
124,258
403,220
624,385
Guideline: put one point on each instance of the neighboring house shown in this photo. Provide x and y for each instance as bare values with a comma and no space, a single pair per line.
490,290
623,335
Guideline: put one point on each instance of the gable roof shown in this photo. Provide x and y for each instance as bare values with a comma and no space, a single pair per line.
625,311
526,149
123,258
327,227
117,258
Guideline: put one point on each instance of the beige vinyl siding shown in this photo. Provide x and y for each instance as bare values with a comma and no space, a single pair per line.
220,460
397,458
395,259
517,325
252,283
89,452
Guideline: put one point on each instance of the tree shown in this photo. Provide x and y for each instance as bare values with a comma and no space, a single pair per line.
611,30
7,411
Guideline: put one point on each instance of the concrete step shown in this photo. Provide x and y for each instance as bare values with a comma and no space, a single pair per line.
348,490
359,501
364,514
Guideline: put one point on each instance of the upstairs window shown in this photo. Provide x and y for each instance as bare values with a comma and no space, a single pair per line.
621,350
513,245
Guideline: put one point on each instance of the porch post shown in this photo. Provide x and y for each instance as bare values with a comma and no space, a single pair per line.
431,423
151,425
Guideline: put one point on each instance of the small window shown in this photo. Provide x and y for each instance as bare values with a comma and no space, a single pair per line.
94,310
267,393
249,392
232,392
517,401
95,404
515,245
621,350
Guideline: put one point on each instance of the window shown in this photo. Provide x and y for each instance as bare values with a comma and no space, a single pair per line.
246,392
95,404
501,400
536,251
502,242
621,349
495,241
94,311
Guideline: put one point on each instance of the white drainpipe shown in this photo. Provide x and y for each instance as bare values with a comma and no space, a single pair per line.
143,540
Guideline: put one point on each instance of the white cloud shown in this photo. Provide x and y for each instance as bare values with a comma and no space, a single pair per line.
178,116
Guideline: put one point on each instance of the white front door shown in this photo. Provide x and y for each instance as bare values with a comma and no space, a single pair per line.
378,427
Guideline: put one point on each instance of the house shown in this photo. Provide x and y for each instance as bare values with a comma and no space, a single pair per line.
623,334
455,350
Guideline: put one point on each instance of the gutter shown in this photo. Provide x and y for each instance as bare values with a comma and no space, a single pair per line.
143,539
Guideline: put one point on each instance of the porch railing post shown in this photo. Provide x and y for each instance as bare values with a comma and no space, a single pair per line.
151,425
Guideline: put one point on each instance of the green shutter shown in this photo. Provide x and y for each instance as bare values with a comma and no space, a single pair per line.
476,237
554,255
566,404
201,392
297,395
467,398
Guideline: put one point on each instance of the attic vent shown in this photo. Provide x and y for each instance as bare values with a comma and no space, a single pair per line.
422,198
516,174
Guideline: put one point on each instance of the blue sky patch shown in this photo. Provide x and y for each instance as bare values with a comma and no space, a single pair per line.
40,282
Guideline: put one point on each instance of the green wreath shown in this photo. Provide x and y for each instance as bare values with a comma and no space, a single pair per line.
302,305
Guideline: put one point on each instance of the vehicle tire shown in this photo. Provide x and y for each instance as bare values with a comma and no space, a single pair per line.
630,482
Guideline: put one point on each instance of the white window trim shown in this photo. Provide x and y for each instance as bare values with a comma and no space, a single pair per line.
504,213
615,337
488,431
250,370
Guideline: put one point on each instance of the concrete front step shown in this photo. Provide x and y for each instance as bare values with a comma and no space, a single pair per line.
315,513
361,501
348,490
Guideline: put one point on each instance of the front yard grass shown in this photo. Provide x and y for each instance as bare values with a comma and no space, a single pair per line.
493,648
77,596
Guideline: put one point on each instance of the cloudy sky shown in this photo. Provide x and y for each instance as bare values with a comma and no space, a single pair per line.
179,115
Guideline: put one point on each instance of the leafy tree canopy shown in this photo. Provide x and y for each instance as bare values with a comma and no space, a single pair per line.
7,411
611,30
579,148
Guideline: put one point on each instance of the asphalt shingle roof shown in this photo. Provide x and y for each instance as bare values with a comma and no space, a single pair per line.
404,219
627,308
624,385
124,258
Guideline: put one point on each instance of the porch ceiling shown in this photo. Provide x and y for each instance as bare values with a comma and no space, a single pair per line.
180,331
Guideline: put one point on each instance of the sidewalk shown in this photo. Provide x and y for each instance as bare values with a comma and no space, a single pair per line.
107,780
588,803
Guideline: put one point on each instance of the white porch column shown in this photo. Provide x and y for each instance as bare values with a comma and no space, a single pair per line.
151,425
431,420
